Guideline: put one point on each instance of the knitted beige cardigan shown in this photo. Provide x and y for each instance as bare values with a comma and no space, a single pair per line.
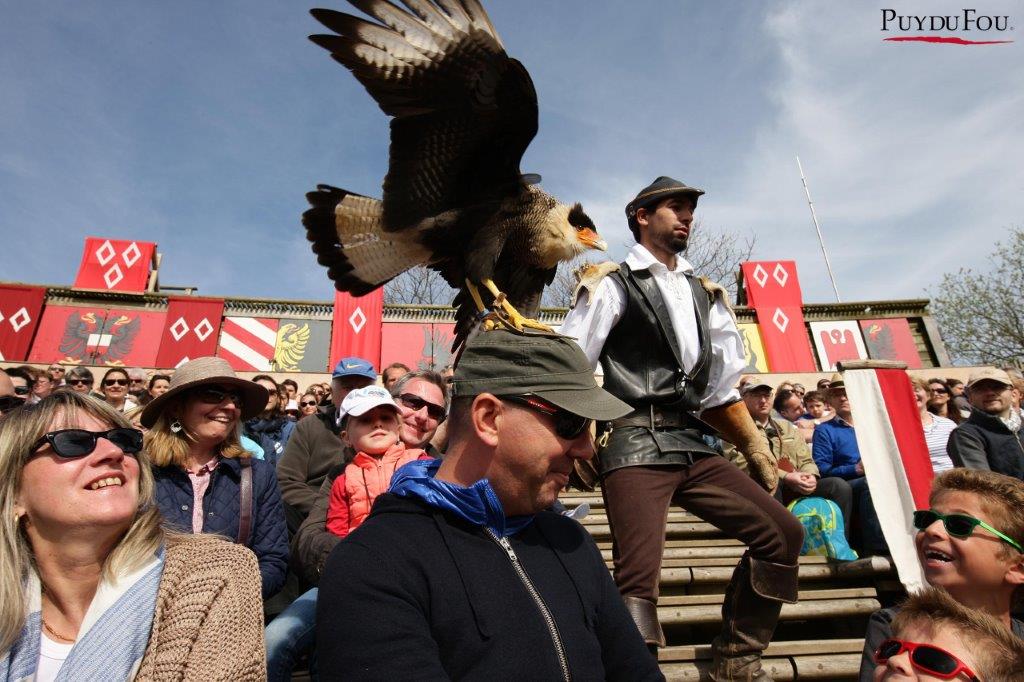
208,623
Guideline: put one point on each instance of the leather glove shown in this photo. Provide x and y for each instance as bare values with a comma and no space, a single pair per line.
734,423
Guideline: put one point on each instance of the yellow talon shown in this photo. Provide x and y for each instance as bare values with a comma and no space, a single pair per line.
505,313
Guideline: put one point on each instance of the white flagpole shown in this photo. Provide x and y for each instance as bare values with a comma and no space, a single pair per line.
817,227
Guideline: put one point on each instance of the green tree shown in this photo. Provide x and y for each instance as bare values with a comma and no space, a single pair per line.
981,315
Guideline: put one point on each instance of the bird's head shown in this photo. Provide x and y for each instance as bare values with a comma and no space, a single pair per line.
586,234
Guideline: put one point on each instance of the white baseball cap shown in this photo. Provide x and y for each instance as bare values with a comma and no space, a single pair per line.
361,400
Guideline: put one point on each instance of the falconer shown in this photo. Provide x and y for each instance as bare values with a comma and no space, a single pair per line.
669,347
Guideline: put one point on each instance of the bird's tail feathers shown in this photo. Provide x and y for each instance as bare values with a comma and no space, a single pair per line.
347,234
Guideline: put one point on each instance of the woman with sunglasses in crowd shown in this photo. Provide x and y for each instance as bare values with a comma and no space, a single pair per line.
206,482
115,389
91,584
308,404
940,401
970,542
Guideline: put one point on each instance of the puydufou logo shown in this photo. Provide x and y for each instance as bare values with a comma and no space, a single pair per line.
973,27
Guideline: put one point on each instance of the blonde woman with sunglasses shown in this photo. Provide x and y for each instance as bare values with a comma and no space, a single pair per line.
91,584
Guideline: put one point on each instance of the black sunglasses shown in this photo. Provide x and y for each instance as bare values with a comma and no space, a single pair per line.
959,525
115,382
74,443
416,403
568,425
9,402
79,382
309,403
21,390
214,395
926,657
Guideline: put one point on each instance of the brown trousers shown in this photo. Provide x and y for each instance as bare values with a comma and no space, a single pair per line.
637,499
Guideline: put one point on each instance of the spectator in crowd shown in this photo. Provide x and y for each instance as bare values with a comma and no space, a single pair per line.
115,389
205,480
448,373
271,428
790,407
992,437
936,428
422,399
940,402
308,404
370,425
42,386
316,390
392,373
836,453
137,386
22,380
956,391
93,587
56,372
817,407
314,448
1017,392
799,390
969,544
936,636
80,379
9,398
462,548
798,474
291,388
158,385
823,384
784,386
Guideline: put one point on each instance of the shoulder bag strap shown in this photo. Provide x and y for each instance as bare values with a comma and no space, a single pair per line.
245,501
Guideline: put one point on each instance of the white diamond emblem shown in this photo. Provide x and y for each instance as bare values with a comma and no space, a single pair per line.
105,253
19,319
780,274
760,275
357,320
203,329
780,320
179,328
113,276
131,255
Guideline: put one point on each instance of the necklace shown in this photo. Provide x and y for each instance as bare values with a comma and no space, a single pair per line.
46,626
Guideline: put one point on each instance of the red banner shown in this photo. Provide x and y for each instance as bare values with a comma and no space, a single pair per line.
357,327
191,328
115,264
773,291
891,339
97,336
419,345
20,310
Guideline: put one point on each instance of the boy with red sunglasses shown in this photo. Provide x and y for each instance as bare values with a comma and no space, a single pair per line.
937,638
970,543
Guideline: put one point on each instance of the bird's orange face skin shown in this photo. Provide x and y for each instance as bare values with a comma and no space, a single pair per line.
591,239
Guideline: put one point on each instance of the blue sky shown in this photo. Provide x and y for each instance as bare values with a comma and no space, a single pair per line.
201,125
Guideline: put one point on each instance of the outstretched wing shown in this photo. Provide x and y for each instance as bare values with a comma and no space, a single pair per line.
463,110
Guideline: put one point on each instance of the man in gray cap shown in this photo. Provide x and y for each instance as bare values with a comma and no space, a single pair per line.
669,347
459,572
992,437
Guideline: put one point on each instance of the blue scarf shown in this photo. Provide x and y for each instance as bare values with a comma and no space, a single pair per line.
113,636
478,504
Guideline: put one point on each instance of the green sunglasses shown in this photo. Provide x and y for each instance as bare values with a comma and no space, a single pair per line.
959,525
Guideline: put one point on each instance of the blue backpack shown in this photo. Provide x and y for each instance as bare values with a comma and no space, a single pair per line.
824,531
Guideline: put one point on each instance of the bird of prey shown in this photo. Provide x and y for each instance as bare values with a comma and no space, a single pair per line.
462,114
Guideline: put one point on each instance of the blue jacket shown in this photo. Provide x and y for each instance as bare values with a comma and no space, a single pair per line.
271,434
269,536
835,449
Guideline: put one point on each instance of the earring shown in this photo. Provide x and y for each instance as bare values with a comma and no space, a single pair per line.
176,426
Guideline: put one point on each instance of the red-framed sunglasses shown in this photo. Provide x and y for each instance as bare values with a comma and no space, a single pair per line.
926,657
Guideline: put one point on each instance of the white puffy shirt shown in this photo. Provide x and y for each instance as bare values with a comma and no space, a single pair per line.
592,319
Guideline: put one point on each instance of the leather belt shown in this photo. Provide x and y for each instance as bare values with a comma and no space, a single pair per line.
654,417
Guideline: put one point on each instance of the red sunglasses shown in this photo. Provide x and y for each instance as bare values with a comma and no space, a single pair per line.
926,657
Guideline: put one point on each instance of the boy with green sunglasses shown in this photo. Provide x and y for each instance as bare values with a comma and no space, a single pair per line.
969,543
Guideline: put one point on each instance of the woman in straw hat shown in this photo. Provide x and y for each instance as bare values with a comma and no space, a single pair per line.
90,582
206,481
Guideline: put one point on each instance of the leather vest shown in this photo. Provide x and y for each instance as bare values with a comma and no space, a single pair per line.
642,366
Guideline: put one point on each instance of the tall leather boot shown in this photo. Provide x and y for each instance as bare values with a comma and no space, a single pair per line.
645,615
750,612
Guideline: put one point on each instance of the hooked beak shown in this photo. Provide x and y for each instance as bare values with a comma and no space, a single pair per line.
591,239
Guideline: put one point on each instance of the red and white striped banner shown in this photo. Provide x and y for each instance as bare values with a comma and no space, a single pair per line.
248,343
895,457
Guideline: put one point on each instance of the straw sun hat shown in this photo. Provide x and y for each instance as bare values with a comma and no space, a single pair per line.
209,371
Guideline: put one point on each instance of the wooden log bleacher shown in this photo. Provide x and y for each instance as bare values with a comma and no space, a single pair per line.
819,638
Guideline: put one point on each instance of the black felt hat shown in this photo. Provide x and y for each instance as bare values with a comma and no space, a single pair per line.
661,189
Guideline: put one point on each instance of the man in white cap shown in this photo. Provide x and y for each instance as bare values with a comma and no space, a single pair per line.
992,437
